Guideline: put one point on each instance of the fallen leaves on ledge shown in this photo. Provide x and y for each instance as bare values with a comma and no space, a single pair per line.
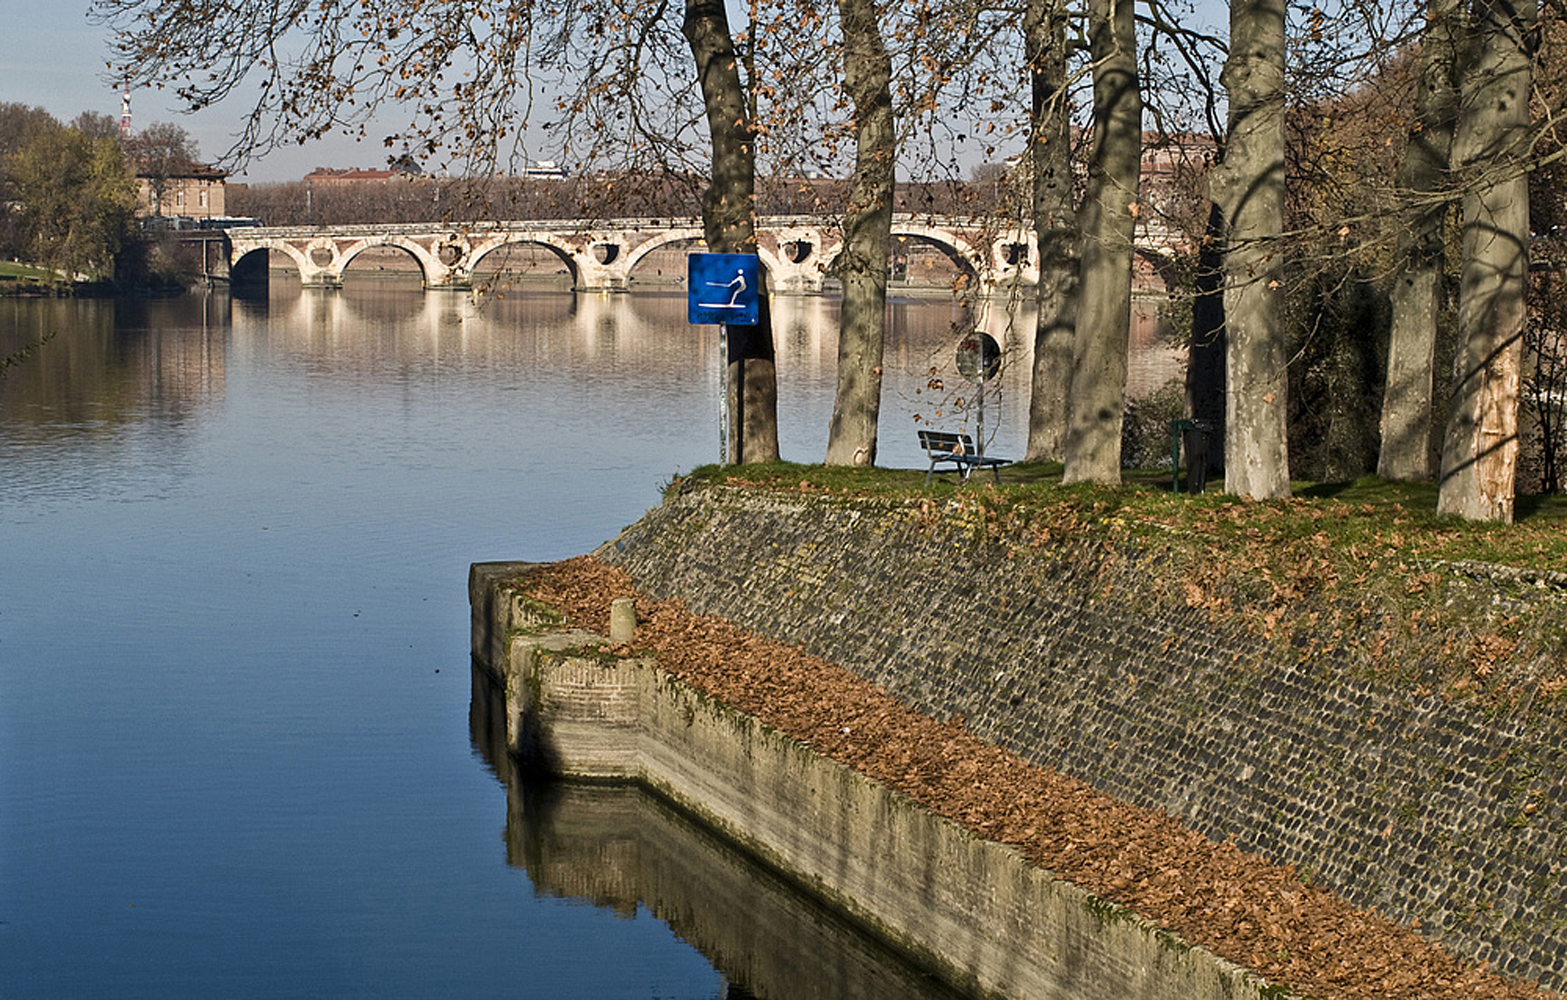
1237,905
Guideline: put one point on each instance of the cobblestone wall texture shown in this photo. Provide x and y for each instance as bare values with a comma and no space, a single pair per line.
1431,811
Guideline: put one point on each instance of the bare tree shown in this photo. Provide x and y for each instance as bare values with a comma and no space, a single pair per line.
729,219
867,235
1109,216
1054,212
1544,419
1250,192
1545,372
159,153
96,125
1490,146
1416,293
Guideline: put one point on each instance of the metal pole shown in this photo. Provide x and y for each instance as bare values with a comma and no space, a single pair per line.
980,444
723,394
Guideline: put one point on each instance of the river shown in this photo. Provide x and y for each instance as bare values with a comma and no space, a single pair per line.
235,755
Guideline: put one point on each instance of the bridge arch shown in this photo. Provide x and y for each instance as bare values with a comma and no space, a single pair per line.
243,254
961,252
657,243
251,268
566,252
429,265
771,263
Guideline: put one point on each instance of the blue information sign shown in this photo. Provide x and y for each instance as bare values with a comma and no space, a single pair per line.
721,288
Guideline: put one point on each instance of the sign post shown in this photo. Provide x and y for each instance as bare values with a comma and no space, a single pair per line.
722,289
979,359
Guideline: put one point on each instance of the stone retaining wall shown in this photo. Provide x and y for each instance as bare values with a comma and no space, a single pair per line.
1437,813
975,911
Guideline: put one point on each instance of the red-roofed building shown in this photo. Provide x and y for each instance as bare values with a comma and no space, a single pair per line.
352,175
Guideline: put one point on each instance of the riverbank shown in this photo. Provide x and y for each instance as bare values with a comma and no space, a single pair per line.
1233,904
1416,789
964,910
18,280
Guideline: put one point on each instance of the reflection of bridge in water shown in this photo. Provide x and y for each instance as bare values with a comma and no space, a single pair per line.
600,255
644,336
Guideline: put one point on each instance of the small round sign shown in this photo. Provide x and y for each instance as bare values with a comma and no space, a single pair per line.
979,357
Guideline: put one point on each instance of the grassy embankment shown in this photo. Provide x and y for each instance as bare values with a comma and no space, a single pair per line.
1365,568
24,279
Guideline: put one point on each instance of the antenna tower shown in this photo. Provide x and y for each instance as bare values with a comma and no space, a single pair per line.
125,111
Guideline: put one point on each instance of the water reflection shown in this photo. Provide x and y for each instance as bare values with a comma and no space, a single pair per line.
627,851
114,363
234,533
111,401
109,364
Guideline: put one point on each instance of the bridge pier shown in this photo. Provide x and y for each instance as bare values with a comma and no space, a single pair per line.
215,255
450,278
797,258
602,279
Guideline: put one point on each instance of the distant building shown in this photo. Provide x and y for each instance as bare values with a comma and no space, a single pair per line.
348,175
187,190
545,168
1172,164
345,176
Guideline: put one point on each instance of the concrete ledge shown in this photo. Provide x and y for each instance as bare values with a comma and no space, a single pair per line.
975,911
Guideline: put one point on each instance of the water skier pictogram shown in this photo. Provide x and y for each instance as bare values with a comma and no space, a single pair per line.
737,283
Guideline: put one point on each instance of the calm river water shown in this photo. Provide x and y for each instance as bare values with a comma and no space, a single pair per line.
235,756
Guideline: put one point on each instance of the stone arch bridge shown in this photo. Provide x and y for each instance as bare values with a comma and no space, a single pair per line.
600,255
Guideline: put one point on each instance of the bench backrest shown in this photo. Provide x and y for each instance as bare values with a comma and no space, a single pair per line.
940,441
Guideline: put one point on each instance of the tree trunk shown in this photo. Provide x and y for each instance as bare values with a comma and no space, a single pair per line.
729,223
1480,447
1055,228
1251,193
1417,284
867,234
1109,215
1205,355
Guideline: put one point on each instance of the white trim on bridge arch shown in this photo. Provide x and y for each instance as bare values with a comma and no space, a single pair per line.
945,239
479,249
430,268
770,261
686,235
244,248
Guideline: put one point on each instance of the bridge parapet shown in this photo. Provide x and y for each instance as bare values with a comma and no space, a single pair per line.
798,252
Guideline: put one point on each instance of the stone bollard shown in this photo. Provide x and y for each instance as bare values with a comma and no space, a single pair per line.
622,620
